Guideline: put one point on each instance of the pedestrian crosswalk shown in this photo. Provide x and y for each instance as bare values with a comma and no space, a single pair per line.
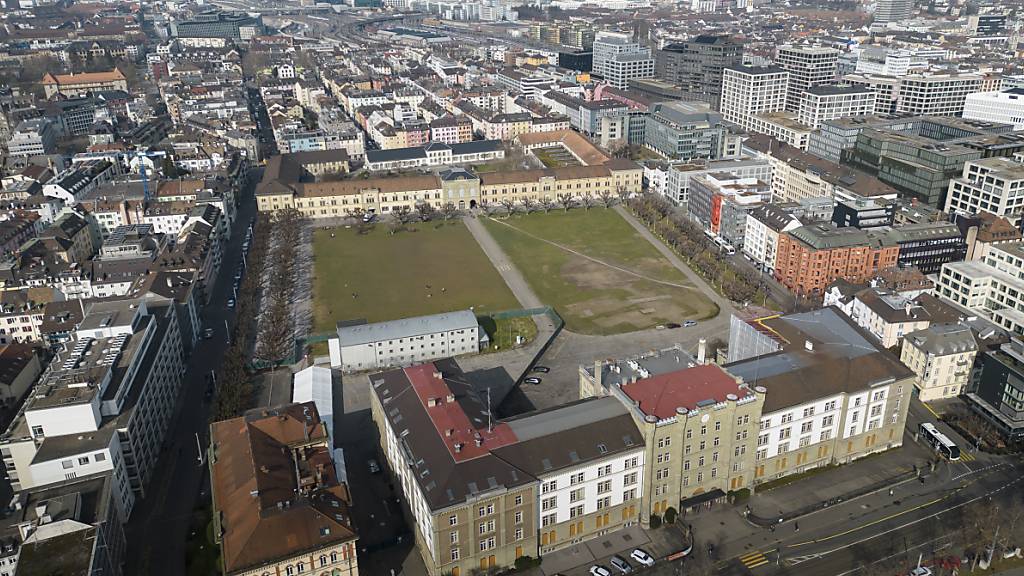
967,456
754,559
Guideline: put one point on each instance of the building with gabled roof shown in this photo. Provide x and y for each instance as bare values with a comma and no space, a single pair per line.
278,503
483,492
72,85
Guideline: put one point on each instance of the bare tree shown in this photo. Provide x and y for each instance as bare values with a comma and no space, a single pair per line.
402,213
622,193
394,225
448,210
426,211
546,204
587,201
355,213
566,200
606,197
509,204
529,205
486,207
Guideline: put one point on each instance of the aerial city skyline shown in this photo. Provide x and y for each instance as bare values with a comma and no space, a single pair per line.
548,287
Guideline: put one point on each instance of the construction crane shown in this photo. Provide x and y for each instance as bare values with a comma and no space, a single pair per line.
140,155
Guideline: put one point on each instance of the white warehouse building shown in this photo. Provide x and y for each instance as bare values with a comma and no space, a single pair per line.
406,341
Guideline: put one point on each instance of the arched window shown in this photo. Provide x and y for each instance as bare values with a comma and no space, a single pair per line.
323,560
289,570
334,557
301,567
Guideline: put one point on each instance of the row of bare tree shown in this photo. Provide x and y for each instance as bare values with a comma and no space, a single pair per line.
276,340
234,389
688,239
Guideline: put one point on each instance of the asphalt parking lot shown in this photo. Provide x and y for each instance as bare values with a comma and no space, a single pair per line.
569,351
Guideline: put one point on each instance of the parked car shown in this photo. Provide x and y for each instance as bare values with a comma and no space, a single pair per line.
642,557
231,302
599,571
541,369
373,466
689,323
532,380
208,333
671,325
620,564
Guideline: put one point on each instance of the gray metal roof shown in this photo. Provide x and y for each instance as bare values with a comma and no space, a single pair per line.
942,339
406,327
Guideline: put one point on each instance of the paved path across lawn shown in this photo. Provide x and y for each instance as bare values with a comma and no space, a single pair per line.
592,259
725,306
513,278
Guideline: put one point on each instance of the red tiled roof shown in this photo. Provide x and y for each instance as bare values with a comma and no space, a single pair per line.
660,395
450,420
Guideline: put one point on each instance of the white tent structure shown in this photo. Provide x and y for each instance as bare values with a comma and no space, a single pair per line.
314,384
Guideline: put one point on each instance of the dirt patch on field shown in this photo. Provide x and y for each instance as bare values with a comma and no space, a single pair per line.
621,302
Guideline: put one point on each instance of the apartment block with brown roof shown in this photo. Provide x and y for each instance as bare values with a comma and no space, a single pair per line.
279,505
812,257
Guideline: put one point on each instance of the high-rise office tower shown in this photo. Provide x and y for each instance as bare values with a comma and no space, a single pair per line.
696,65
618,58
808,66
893,10
751,90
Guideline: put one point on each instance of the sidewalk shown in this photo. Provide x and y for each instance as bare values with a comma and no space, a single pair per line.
833,485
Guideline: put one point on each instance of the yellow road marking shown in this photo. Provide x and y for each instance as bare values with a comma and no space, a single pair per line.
872,523
934,413
753,559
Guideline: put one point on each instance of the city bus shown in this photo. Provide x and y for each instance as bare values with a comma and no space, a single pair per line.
939,441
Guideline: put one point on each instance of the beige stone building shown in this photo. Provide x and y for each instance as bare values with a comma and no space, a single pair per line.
941,356
285,186
699,425
481,492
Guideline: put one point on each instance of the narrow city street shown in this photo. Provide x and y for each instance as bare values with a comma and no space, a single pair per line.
159,526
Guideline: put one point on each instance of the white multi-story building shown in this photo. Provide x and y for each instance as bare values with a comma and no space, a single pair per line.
888,316
783,126
104,403
922,94
751,90
808,66
823,103
406,341
1006,107
607,44
936,95
993,286
994,185
858,406
32,137
623,67
942,356
764,225
677,176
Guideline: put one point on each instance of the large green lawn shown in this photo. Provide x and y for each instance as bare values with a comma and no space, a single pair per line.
377,276
593,297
